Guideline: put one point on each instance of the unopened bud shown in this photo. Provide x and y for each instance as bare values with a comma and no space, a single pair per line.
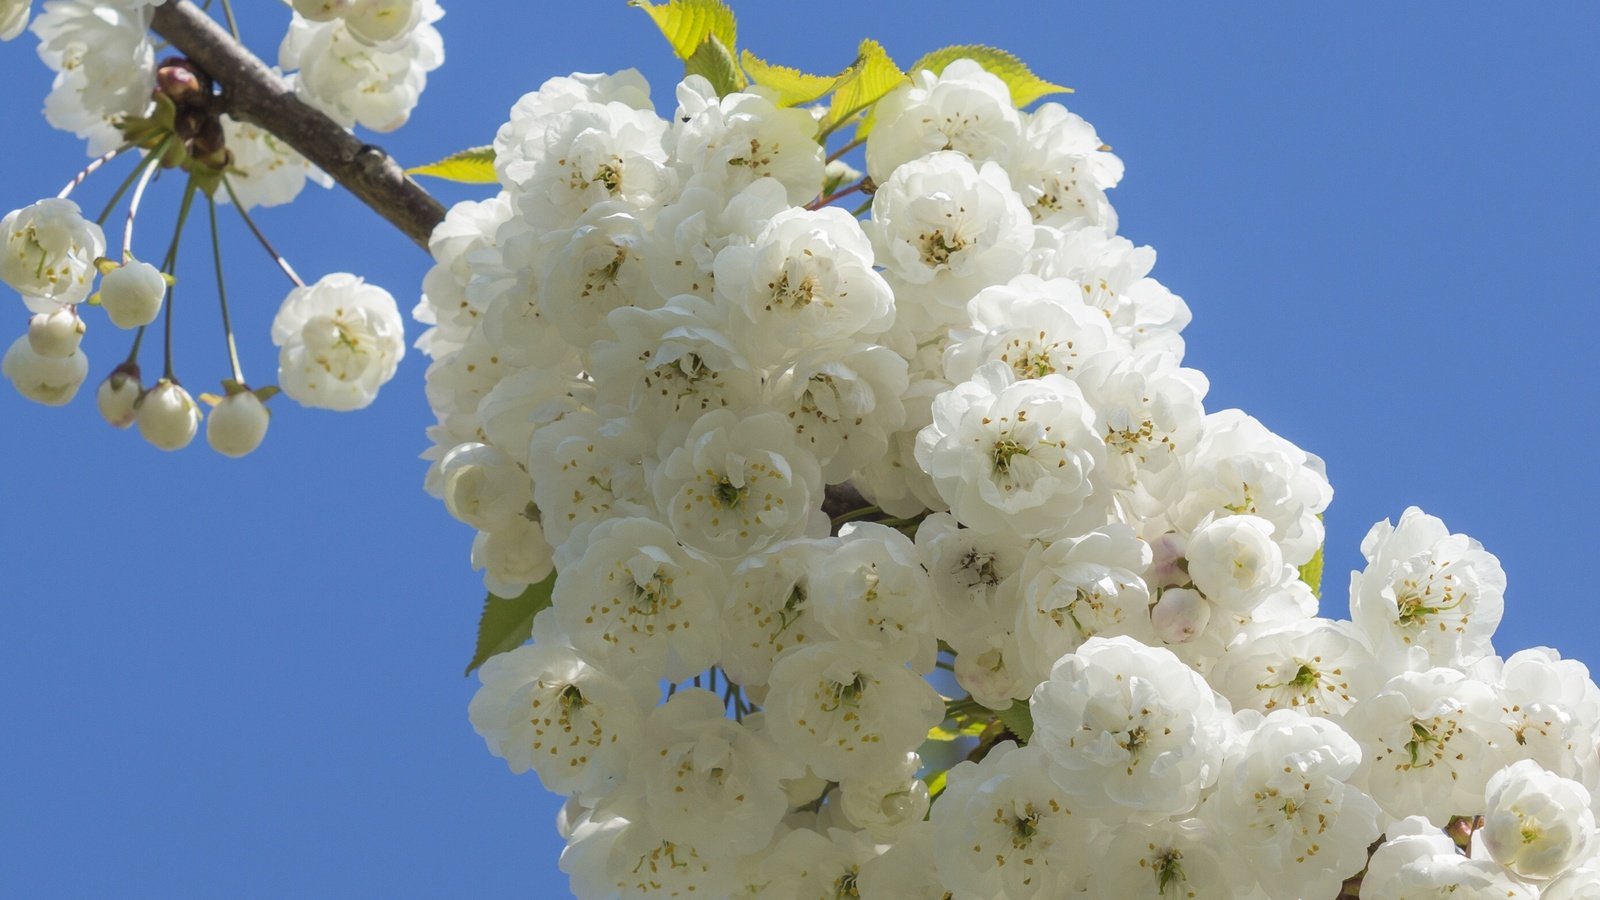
56,335
321,10
237,425
1168,567
181,81
50,380
380,21
1180,615
168,417
131,294
118,397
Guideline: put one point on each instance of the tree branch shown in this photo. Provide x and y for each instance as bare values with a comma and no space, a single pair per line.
253,93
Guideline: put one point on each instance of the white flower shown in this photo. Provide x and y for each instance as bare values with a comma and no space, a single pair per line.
768,610
56,335
13,17
168,417
1550,709
844,709
237,425
872,589
1179,615
1129,728
906,869
807,279
1578,883
1074,589
339,341
709,782
1240,467
118,397
561,165
1427,597
1003,828
948,229
611,855
1427,739
380,22
1036,327
1536,823
459,246
585,469
48,254
502,297
1174,858
512,557
1063,171
263,170
963,108
557,95
104,61
1017,457
633,600
806,864
1317,666
1417,861
483,487
1112,274
1149,411
132,294
355,82
738,485
593,268
50,380
886,802
321,10
736,139
844,400
1282,806
1233,559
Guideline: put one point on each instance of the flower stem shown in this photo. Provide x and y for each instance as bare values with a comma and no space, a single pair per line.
842,192
846,148
854,514
170,266
90,170
276,256
222,292
133,354
133,175
133,206
233,26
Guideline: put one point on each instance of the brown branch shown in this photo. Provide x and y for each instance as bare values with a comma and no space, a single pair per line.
253,93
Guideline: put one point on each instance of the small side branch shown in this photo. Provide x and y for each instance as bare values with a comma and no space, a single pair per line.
253,93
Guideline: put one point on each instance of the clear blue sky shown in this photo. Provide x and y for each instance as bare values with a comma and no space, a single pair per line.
245,677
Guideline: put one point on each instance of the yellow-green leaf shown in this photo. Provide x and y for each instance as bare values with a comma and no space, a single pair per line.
507,622
1018,719
937,782
1311,573
794,87
687,23
715,62
472,166
871,76
1025,86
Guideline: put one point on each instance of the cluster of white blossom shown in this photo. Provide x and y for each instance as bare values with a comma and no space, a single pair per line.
653,352
363,62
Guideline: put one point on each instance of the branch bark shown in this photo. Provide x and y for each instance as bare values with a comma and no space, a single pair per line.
253,93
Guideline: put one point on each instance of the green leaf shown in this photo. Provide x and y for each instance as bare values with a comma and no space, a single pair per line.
471,166
1025,86
687,23
1018,719
507,623
1311,573
715,61
937,782
951,730
794,87
871,76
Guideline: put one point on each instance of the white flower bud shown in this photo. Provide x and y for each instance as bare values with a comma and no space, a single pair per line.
53,381
1179,615
56,335
321,10
168,417
118,398
238,424
13,18
1536,823
1231,559
381,21
132,294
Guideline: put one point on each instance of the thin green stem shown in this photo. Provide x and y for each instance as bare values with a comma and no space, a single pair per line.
133,355
842,192
133,208
272,251
170,266
846,148
233,26
861,209
222,293
133,175
854,514
90,169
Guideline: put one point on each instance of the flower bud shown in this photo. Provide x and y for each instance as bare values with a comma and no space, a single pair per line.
238,424
1179,615
321,10
168,417
53,381
380,21
1168,567
131,294
56,335
118,397
1536,823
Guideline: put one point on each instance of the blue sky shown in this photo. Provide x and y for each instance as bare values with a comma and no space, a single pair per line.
245,676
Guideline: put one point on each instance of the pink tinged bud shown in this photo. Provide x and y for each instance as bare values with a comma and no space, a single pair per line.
57,334
53,381
237,425
1168,567
168,417
1180,615
118,398
132,294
